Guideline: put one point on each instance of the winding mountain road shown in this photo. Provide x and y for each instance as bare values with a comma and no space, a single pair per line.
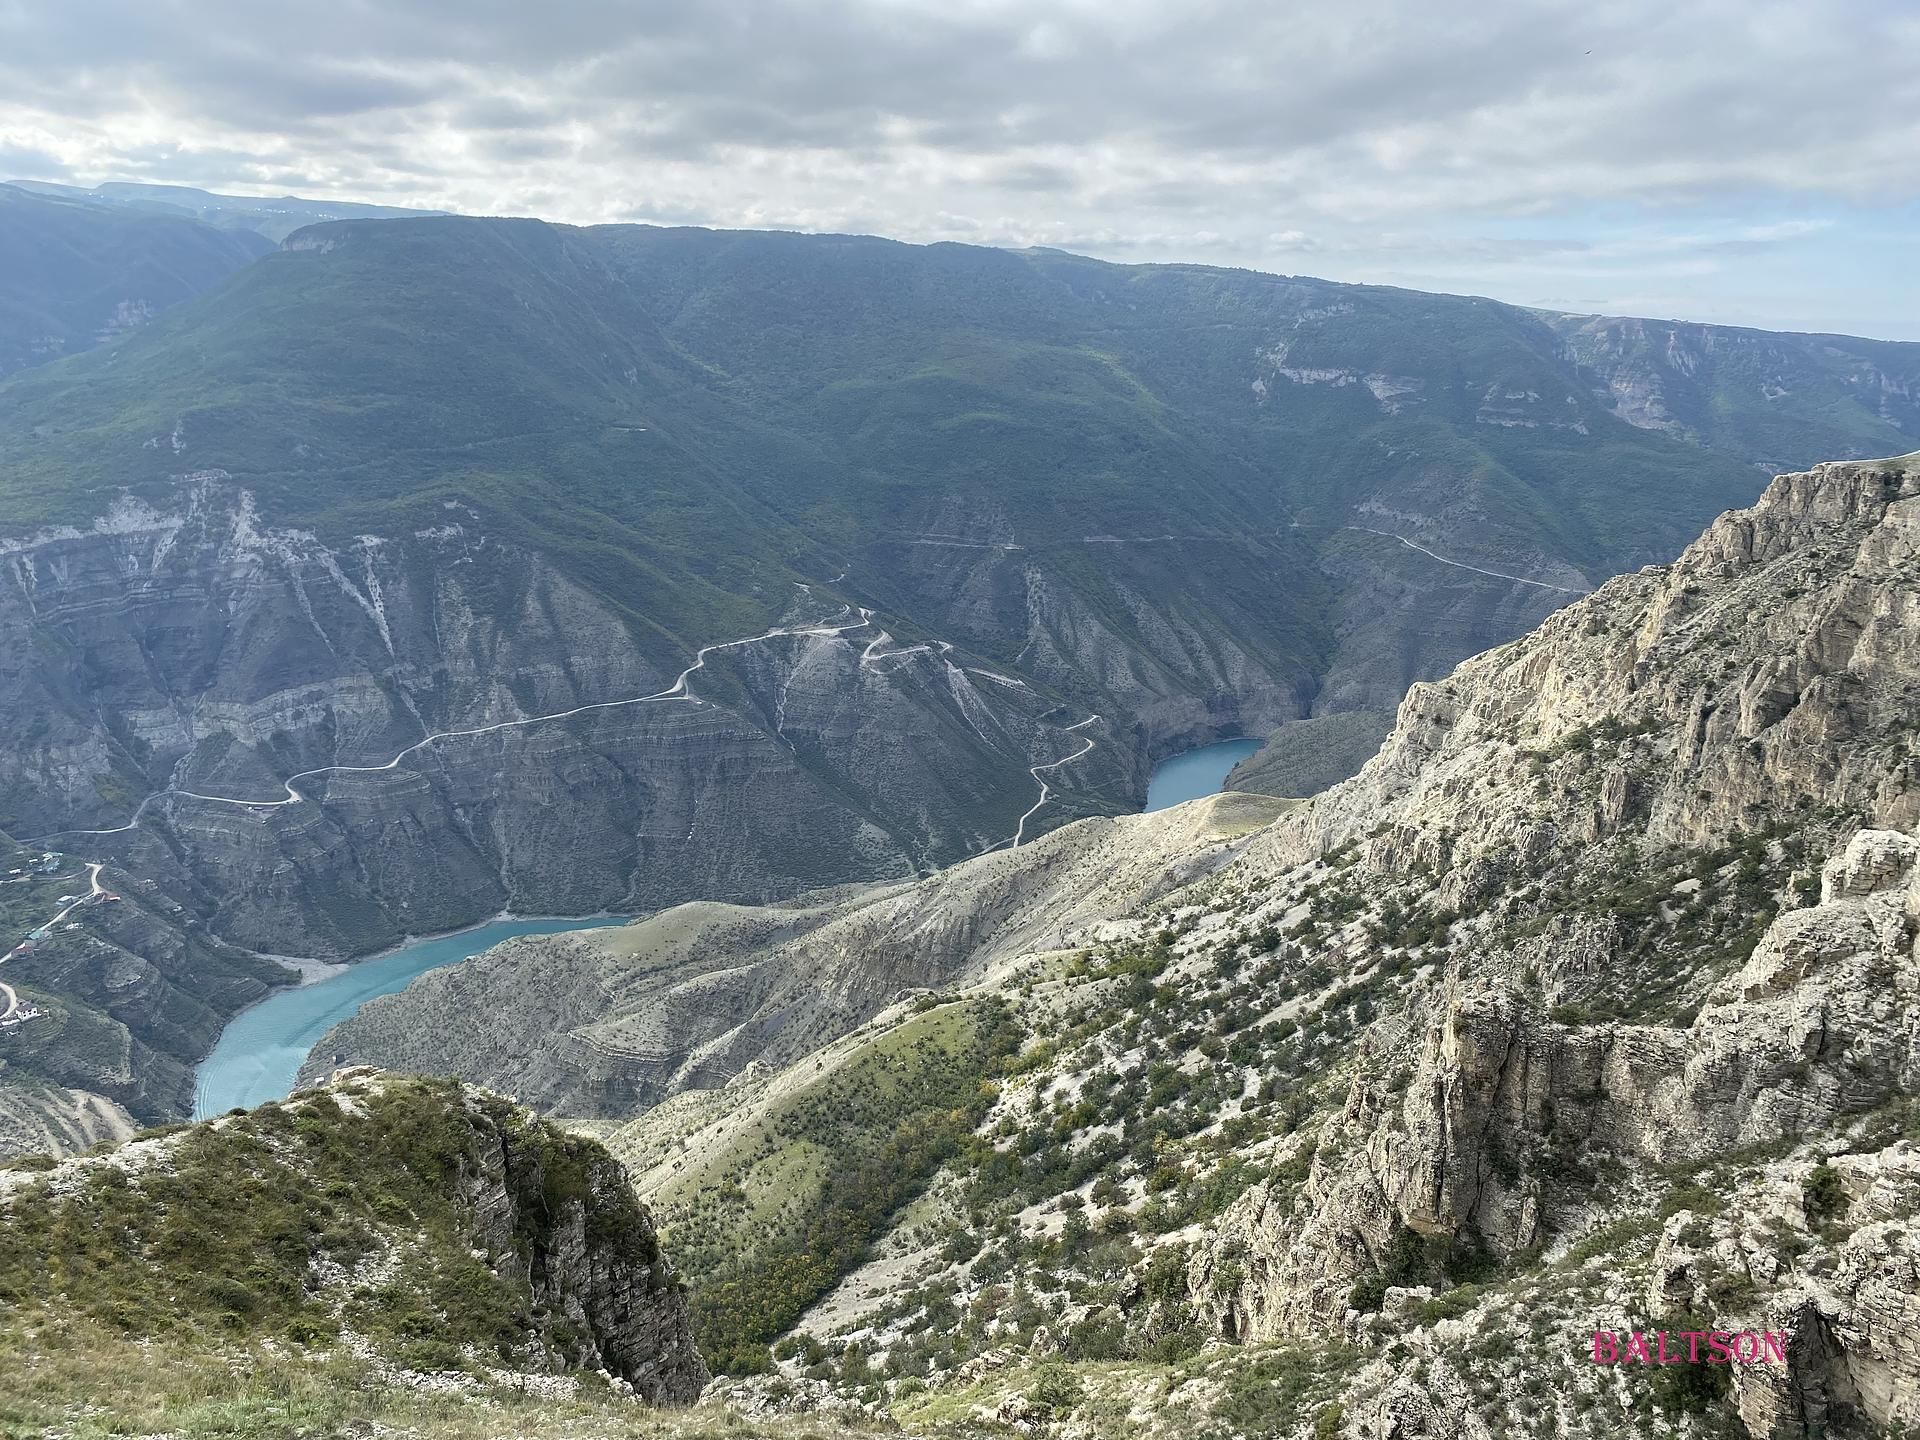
16,1009
860,618
1046,791
1462,565
676,691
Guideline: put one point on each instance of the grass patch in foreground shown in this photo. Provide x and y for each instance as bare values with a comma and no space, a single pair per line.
82,1381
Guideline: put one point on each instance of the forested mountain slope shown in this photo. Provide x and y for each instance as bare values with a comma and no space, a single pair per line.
430,568
1586,1006
273,217
74,275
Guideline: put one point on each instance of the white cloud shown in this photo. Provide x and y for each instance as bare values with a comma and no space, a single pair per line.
1236,130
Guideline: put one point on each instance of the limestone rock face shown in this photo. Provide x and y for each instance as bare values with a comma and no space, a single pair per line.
1703,381
1767,671
1848,1295
1390,1405
232,655
1767,674
595,1262
1822,1022
129,1000
1874,861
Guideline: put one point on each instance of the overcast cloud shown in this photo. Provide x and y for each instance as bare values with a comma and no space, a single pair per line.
1753,162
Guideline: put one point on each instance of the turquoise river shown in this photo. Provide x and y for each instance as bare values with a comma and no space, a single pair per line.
263,1048
1193,773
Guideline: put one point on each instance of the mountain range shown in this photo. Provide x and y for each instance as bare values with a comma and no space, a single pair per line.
1584,1010
427,568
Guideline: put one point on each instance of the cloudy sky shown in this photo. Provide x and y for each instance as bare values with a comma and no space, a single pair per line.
1736,160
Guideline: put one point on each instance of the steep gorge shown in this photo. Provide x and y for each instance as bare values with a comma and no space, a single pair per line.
1586,1005
938,525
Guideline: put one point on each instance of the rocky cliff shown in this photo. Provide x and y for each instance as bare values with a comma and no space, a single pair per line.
1584,1006
1763,674
1757,692
1491,1139
417,1225
399,676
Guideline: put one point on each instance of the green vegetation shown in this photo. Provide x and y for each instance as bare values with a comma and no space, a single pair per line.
73,272
1271,1391
217,1232
1130,1120
1456,1265
688,421
79,1379
766,1227
1682,916
1825,1194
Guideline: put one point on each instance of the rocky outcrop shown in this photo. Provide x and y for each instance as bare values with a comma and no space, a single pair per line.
1658,707
591,1261
1828,1255
1765,673
1504,1106
1490,1143
1398,1406
412,1223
